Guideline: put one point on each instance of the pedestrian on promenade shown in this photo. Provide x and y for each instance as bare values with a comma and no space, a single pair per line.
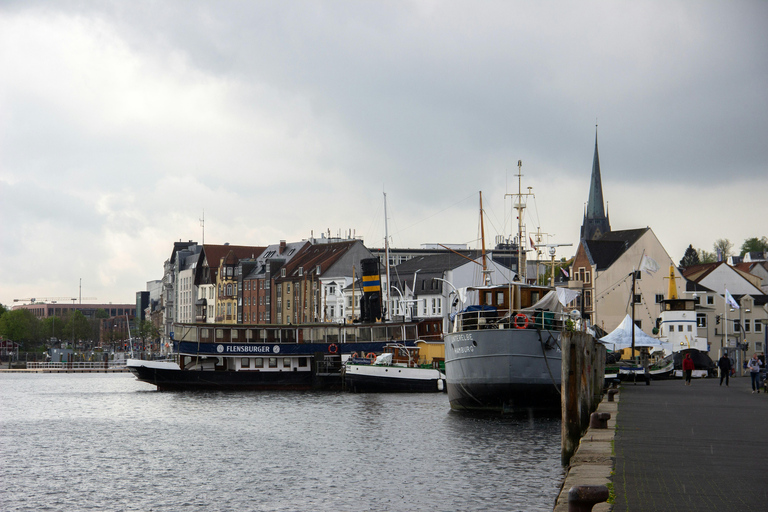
646,367
724,363
688,368
754,372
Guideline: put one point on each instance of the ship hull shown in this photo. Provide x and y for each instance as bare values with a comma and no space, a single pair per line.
392,379
503,369
167,379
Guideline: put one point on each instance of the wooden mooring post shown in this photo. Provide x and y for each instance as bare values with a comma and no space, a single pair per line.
583,374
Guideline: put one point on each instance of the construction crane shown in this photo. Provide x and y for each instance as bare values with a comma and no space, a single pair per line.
52,300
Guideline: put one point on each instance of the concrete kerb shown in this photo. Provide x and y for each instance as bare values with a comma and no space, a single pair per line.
593,462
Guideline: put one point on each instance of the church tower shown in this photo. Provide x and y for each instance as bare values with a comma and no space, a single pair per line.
596,222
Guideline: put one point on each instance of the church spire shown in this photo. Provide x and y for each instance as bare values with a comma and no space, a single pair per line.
596,222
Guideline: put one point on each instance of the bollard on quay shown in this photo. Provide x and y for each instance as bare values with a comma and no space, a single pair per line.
582,498
599,419
612,392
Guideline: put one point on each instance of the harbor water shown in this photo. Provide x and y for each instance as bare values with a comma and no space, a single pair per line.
109,442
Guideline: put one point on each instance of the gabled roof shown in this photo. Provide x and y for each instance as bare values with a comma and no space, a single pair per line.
698,272
604,252
214,253
324,255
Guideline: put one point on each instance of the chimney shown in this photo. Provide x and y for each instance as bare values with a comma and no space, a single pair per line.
282,246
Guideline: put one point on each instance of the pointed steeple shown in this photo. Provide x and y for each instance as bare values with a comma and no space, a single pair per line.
596,222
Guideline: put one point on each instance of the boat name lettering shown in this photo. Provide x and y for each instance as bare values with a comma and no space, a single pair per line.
464,350
249,349
464,337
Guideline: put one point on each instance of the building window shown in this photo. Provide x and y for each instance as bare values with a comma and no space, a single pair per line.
273,362
587,298
638,298
659,298
690,327
710,300
587,277
245,363
758,326
286,362
746,325
680,328
258,362
701,320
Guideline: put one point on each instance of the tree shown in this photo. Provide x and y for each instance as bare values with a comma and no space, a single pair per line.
706,257
690,258
52,327
754,245
723,247
21,326
77,327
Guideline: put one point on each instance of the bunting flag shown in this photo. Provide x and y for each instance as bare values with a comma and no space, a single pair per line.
730,300
649,265
533,246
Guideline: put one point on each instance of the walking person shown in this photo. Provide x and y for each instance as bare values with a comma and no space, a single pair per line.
688,368
724,363
754,372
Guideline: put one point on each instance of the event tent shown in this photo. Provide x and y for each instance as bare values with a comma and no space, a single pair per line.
621,338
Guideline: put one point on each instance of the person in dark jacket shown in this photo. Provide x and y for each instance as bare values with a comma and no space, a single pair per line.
688,369
724,363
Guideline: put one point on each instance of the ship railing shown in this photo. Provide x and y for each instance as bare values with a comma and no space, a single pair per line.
520,319
83,365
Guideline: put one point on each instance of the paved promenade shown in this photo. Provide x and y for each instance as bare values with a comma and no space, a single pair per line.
691,448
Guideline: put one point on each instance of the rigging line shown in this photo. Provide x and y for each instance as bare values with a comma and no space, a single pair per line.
612,287
437,213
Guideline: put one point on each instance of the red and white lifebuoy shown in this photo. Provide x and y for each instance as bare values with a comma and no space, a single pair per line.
333,348
521,321
371,355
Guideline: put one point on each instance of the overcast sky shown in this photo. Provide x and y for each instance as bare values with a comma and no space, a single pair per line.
121,122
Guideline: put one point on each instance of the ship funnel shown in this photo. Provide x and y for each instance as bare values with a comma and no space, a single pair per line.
370,303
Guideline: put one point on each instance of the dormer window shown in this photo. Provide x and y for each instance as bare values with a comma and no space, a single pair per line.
282,272
301,271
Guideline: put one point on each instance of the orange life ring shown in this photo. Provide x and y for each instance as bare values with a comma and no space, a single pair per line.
353,355
371,355
333,348
525,320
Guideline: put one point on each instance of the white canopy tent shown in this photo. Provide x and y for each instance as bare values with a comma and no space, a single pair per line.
621,338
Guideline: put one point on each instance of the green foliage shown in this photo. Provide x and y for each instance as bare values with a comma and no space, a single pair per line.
690,258
706,257
754,245
77,327
102,313
20,326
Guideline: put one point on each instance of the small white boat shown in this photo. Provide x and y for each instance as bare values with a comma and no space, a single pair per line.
396,370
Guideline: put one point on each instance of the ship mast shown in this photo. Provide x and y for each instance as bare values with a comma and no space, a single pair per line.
486,276
386,253
519,204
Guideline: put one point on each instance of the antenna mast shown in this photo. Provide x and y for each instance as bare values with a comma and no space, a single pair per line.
202,225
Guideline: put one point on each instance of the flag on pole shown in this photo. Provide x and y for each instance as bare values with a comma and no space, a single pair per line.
533,246
649,265
730,300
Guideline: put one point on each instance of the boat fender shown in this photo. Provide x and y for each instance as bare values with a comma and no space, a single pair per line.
333,348
371,355
521,321
353,355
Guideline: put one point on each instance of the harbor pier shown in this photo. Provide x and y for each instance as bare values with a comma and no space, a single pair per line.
672,447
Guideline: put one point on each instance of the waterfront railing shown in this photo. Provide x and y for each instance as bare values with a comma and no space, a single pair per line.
84,365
